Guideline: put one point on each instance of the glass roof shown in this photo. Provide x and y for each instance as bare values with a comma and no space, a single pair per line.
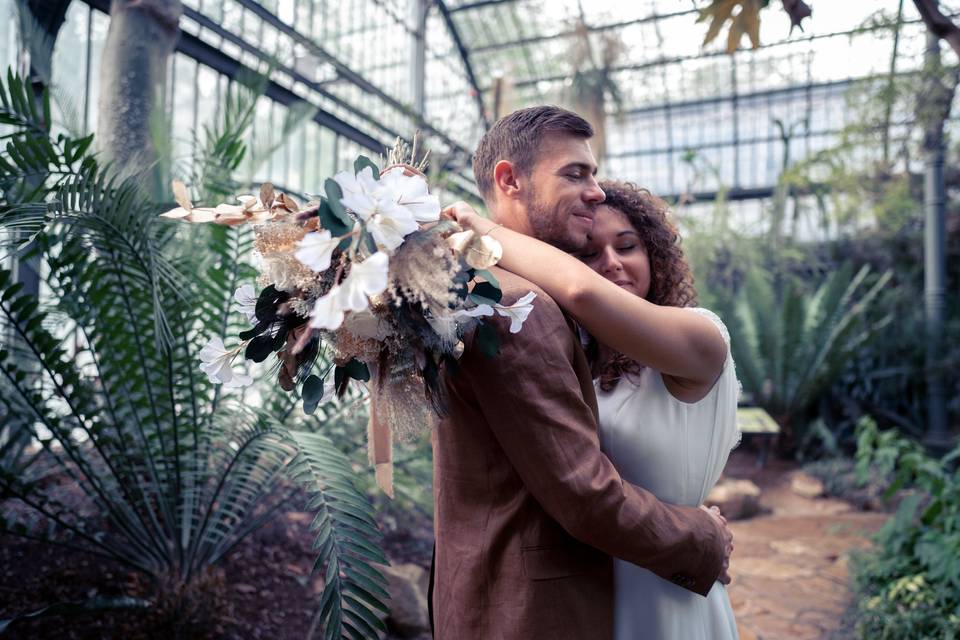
678,97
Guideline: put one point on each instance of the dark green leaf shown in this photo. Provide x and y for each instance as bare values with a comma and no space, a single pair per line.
488,276
357,370
259,348
334,194
364,161
255,331
312,393
487,290
330,221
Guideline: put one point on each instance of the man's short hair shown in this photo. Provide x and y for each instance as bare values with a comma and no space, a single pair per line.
517,138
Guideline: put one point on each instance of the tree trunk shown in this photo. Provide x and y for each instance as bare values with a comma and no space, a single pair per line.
933,109
40,22
133,76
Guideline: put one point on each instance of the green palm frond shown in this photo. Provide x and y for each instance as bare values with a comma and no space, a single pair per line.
347,540
170,474
32,162
789,349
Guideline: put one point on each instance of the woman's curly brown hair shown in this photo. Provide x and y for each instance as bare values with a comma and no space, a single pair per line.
671,282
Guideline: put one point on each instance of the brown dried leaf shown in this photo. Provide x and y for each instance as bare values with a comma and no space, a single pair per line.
181,195
736,33
720,10
751,22
288,203
266,195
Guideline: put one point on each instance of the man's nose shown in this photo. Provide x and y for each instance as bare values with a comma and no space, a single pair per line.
594,194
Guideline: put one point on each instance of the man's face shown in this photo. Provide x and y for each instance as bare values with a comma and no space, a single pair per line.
561,194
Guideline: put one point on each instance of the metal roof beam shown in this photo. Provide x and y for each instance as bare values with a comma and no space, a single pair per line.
346,72
465,56
717,54
592,29
479,4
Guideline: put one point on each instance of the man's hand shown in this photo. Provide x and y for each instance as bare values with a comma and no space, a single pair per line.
721,522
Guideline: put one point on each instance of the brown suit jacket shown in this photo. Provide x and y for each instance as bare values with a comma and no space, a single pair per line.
528,510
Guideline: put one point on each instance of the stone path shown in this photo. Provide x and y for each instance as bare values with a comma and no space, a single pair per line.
789,567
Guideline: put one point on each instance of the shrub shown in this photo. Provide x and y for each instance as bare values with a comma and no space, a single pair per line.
908,586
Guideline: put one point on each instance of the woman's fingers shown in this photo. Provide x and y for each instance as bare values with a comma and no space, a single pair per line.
458,211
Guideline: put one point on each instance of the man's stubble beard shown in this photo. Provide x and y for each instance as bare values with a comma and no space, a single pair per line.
551,226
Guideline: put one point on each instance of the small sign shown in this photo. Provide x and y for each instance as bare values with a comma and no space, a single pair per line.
755,420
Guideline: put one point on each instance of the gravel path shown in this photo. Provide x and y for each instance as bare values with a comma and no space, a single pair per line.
789,567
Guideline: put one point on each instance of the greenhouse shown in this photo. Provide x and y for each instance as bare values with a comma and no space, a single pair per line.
307,326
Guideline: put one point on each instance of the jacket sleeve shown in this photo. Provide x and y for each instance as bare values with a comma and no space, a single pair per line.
532,398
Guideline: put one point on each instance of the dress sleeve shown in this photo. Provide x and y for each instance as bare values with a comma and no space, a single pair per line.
715,319
728,385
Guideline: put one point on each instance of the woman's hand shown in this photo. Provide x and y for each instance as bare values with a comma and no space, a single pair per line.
465,215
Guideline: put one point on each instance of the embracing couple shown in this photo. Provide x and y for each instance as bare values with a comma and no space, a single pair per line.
570,469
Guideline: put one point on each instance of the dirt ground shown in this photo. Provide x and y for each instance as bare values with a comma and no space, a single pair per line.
789,566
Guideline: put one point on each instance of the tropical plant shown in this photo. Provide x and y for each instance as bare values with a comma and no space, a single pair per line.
908,586
167,472
790,345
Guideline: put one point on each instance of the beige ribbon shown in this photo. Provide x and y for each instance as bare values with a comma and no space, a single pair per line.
379,438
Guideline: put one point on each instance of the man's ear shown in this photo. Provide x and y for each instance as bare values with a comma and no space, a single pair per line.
505,179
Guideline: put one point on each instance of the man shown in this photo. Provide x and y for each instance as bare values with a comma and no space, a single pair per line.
528,511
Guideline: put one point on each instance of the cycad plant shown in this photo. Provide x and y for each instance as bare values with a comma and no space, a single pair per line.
790,345
168,472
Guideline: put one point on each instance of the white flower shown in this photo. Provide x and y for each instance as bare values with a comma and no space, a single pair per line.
478,311
518,311
217,363
412,192
327,311
390,208
315,250
367,278
246,299
390,226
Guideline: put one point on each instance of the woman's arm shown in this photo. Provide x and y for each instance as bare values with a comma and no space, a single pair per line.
685,346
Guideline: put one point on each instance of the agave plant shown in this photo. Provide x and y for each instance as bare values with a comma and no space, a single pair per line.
168,471
790,347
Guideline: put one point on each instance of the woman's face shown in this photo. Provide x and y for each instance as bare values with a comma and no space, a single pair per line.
615,251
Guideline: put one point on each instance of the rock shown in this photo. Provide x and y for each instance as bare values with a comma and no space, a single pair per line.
737,499
805,485
408,599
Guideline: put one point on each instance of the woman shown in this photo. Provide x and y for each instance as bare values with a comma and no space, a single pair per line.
667,389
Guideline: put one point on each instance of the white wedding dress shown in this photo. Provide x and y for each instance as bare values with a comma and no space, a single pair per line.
676,450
